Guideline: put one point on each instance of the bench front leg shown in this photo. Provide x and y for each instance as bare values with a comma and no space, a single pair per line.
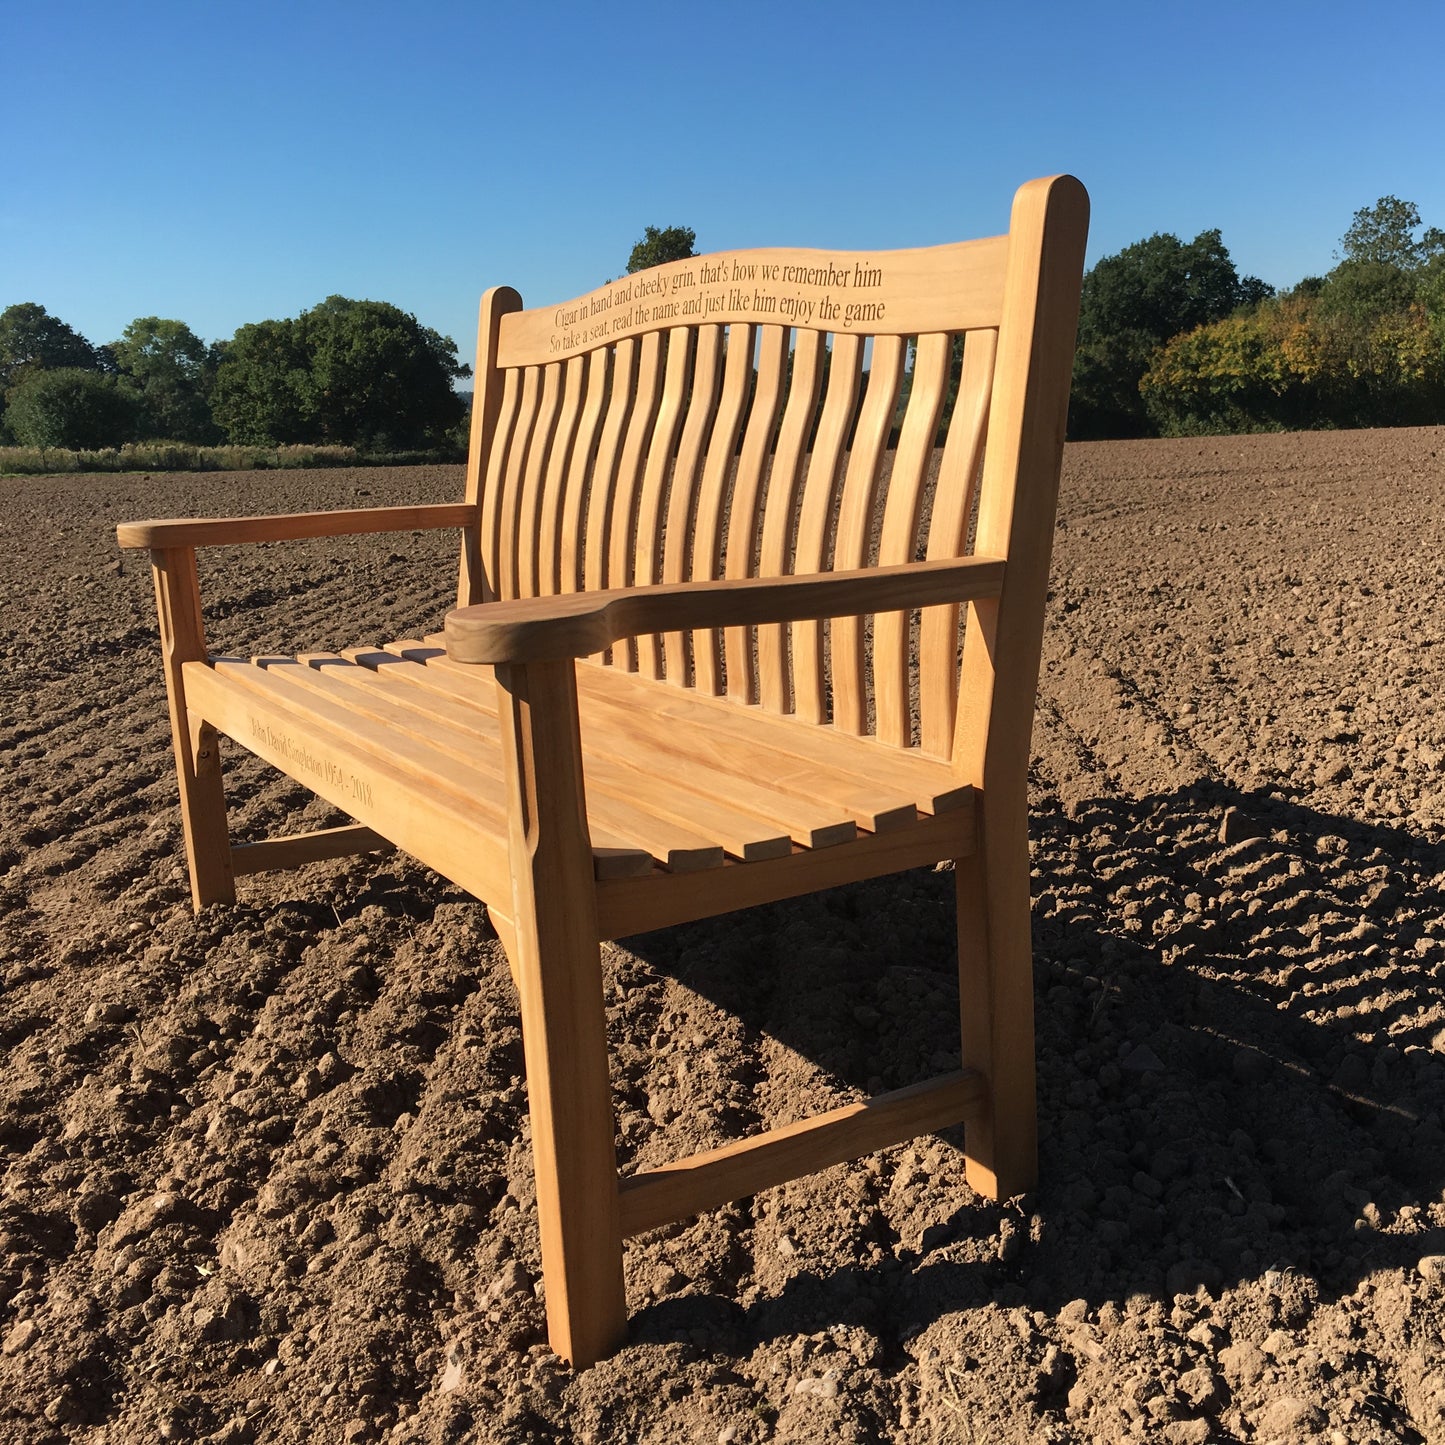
198,756
557,965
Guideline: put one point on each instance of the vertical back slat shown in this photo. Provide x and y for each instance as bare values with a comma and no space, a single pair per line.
554,483
629,473
855,521
488,437
541,448
816,517
579,472
491,523
743,508
604,472
713,496
686,474
947,534
651,511
784,484
512,478
900,540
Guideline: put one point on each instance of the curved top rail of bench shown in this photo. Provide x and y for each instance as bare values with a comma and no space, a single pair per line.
955,287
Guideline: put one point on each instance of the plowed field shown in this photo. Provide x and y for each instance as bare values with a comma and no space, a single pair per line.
265,1176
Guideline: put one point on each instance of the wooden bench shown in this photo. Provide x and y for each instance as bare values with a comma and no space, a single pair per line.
681,478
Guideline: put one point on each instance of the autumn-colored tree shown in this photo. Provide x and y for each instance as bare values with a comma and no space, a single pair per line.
1131,304
1293,364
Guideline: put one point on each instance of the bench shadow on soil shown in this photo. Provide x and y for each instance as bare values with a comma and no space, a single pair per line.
1240,1055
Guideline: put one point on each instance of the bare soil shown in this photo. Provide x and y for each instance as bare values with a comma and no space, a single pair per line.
264,1173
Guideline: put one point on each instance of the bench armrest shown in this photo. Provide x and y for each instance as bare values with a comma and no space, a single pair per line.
224,531
577,624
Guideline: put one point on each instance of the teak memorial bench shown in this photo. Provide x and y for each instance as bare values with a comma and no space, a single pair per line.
678,480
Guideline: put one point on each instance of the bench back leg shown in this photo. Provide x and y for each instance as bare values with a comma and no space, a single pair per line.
564,1029
996,998
1000,668
197,750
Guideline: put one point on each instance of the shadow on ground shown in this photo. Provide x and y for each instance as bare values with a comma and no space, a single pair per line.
1241,1056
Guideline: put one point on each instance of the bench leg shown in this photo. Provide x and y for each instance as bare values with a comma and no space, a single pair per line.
557,963
996,998
197,750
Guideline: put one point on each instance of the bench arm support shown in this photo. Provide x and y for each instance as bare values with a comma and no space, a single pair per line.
227,531
577,624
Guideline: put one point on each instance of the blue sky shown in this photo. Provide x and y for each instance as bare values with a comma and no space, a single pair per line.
223,163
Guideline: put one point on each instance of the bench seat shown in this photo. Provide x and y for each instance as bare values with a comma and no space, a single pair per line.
407,741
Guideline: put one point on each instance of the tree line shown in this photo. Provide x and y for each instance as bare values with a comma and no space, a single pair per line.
360,374
363,374
1174,342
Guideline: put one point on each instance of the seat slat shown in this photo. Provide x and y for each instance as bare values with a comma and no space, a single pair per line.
682,500
682,801
713,496
742,543
899,539
711,823
928,783
862,765
459,832
638,905
855,523
816,517
470,737
816,806
947,536
651,510
784,485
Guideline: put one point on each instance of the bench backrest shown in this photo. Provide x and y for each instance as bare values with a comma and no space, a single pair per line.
765,412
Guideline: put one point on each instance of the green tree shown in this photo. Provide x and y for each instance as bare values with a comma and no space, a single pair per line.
381,380
358,373
1385,266
1131,304
172,371
656,247
263,393
1385,234
69,406
31,337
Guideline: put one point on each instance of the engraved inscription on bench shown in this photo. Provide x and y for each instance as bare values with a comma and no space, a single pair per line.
836,293
892,293
331,774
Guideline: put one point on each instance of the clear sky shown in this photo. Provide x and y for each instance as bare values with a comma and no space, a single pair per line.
222,163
